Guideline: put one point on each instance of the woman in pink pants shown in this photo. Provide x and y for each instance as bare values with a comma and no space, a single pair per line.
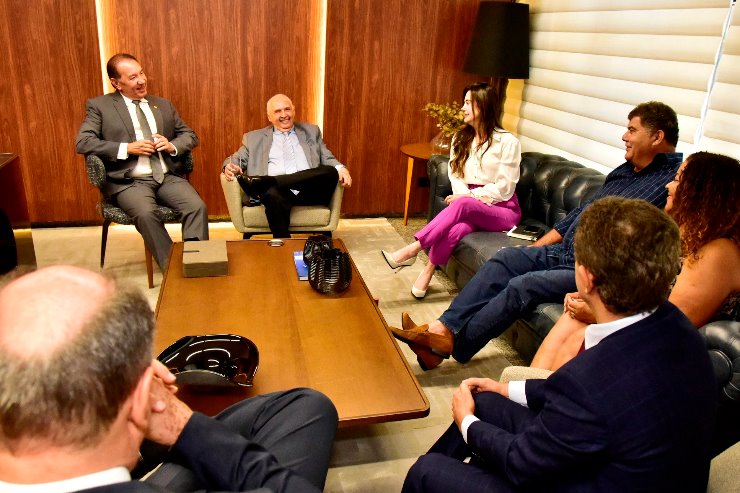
483,172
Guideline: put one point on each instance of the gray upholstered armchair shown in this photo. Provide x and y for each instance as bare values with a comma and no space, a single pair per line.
303,219
114,214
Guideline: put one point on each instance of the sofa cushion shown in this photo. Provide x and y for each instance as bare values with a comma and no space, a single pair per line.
300,215
473,251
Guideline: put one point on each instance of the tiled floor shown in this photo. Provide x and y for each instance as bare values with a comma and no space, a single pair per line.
366,459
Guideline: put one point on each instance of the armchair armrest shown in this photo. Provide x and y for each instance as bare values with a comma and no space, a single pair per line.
233,194
96,174
439,184
335,206
95,170
187,163
722,339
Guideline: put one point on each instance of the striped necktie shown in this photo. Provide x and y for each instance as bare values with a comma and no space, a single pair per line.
289,161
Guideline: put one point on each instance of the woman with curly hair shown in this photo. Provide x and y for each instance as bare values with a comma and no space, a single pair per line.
483,172
704,200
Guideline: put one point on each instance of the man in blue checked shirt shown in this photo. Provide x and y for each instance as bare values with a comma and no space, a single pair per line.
516,280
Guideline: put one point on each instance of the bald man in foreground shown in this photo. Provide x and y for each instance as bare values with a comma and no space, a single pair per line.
285,164
79,393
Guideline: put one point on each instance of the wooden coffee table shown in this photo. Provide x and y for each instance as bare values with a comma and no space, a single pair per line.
338,344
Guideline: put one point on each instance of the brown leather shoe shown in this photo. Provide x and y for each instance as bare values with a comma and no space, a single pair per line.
425,357
409,324
420,336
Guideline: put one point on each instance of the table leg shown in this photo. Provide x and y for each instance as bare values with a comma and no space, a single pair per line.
409,176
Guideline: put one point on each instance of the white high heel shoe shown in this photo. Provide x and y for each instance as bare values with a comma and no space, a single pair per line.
418,293
397,265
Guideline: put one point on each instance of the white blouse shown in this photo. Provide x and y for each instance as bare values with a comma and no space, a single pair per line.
497,169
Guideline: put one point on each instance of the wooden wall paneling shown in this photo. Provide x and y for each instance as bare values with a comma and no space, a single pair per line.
9,93
384,62
51,55
219,61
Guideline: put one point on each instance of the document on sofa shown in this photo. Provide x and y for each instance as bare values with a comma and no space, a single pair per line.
530,233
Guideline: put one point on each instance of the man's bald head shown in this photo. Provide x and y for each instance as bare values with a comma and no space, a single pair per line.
62,297
73,345
280,112
278,99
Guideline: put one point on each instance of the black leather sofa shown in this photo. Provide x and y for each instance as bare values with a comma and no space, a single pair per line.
549,187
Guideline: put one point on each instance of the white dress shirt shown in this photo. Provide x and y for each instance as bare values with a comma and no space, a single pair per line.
143,165
102,478
497,168
276,160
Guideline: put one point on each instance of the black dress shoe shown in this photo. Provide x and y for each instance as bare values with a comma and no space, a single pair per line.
255,186
243,182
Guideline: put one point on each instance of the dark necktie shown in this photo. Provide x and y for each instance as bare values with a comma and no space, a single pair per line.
157,173
583,346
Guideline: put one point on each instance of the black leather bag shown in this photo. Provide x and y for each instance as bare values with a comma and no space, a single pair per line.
315,244
329,271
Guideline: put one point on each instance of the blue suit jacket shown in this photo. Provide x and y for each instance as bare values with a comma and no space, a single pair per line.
255,149
634,413
223,459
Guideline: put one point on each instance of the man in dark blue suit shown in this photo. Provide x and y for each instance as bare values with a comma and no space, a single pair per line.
79,393
634,412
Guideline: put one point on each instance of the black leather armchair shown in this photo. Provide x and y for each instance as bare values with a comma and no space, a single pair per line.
722,339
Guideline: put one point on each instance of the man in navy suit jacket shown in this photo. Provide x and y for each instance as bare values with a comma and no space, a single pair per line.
634,412
285,164
79,393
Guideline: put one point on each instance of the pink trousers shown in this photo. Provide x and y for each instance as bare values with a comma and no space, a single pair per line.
464,216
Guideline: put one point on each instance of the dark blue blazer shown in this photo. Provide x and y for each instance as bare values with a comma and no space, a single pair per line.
225,460
634,413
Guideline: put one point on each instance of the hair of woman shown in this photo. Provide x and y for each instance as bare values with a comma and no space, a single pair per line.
489,104
706,204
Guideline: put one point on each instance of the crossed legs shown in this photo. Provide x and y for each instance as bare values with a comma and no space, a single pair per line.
514,281
464,216
296,426
315,186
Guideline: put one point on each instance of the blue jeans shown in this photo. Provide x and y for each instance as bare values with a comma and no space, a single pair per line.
510,284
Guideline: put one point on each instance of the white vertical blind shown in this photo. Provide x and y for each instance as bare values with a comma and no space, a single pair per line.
722,125
592,61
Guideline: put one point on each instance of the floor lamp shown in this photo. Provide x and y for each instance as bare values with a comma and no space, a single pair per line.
499,47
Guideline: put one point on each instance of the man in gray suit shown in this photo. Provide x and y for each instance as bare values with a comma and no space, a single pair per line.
141,138
285,164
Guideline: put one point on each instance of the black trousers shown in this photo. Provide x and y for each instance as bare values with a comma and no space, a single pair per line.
315,186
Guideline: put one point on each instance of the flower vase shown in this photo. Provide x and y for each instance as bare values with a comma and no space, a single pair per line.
441,144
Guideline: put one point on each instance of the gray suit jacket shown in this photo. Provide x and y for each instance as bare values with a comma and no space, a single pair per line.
108,123
255,149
